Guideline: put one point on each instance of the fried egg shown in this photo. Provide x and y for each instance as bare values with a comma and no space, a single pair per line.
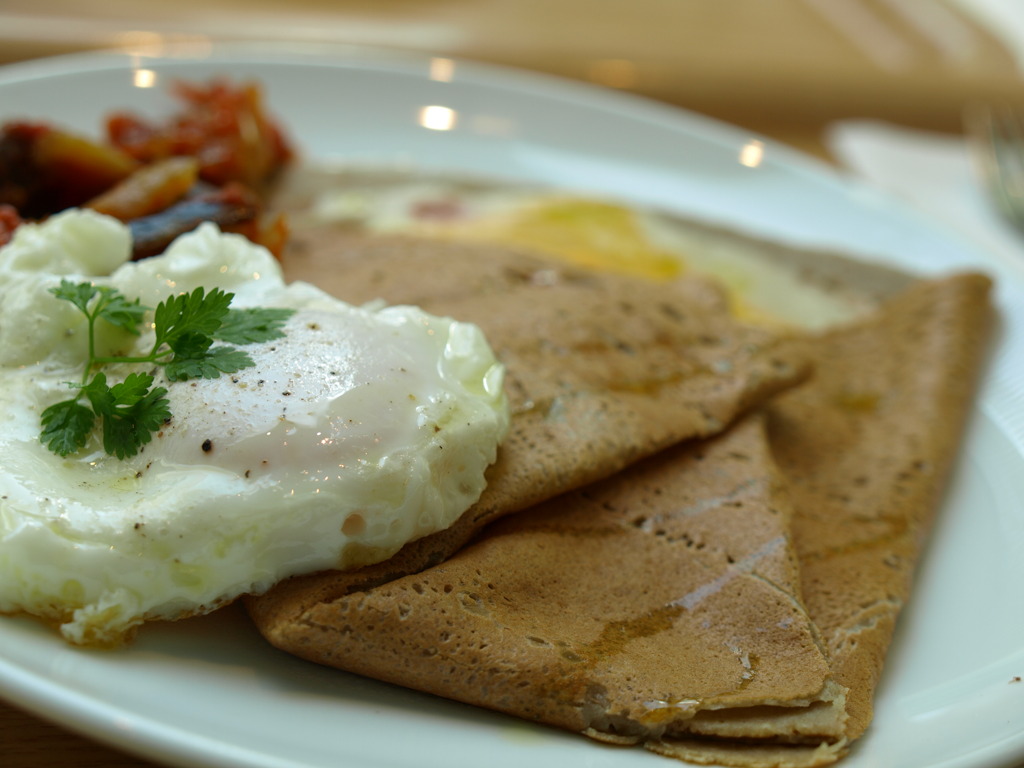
362,429
588,232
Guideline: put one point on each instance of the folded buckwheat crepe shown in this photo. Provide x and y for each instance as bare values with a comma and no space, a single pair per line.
717,587
601,372
663,601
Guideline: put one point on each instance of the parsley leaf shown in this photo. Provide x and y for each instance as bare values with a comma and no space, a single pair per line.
99,395
179,319
191,345
137,413
112,306
184,328
66,426
208,365
131,411
79,294
252,325
117,310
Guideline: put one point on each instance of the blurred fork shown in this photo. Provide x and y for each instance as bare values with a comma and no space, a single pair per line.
996,137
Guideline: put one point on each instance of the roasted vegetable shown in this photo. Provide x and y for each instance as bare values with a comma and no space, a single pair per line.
9,221
44,169
210,162
224,127
151,189
232,208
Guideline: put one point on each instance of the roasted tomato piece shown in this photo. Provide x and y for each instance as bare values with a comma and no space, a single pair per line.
225,127
9,221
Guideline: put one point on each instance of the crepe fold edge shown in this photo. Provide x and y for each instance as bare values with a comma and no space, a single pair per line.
863,514
573,427
869,478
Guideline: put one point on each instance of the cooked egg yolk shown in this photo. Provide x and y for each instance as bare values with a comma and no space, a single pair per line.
587,233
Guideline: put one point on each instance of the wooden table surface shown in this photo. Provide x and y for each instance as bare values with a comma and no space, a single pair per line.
783,68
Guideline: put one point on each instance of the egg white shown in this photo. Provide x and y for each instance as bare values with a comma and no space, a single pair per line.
360,430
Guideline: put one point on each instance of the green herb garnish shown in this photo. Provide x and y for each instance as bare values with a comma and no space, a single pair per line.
185,329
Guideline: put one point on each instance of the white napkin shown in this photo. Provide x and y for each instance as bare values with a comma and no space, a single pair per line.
1004,20
934,173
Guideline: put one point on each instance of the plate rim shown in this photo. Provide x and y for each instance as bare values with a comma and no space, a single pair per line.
406,63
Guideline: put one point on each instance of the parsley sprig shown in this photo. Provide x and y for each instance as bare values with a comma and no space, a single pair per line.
185,328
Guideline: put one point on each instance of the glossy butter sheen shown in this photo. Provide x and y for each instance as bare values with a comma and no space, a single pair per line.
361,429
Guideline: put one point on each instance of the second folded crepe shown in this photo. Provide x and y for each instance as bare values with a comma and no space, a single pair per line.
666,605
662,602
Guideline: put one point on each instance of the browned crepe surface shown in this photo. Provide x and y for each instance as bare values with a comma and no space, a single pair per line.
866,447
867,450
568,613
601,371
639,606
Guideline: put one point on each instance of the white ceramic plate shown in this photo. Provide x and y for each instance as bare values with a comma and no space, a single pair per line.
210,692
